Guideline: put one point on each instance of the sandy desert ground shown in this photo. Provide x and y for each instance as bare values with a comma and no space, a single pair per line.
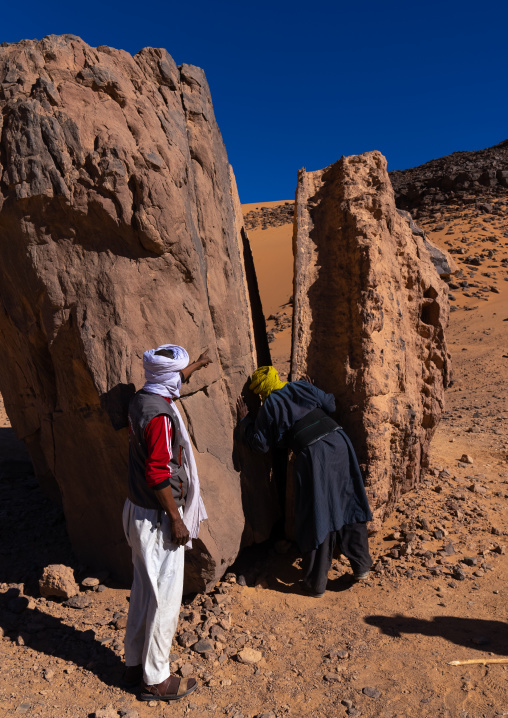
438,591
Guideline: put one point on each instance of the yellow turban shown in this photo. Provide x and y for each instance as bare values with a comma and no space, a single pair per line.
265,380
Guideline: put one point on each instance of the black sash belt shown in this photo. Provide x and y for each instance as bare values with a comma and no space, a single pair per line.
310,428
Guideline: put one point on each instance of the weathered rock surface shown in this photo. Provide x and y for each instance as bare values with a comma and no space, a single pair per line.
58,580
369,319
459,178
120,230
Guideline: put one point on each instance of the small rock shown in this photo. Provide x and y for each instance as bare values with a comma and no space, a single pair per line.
58,580
371,692
449,549
80,601
470,560
346,702
477,488
332,677
458,573
107,712
48,674
338,654
90,582
23,708
241,581
121,623
186,670
249,656
202,646
466,459
187,639
128,713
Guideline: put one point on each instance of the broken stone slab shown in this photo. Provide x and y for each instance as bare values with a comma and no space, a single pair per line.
370,313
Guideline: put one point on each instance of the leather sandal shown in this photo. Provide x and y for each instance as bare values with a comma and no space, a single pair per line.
172,689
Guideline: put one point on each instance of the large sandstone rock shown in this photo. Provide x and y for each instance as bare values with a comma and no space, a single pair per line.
369,317
120,229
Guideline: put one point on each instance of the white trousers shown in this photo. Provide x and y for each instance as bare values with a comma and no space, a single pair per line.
156,593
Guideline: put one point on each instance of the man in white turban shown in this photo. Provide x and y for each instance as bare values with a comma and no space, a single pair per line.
161,516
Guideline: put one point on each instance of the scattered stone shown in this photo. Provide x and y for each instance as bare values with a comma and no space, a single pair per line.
371,692
340,654
466,459
448,550
458,573
121,623
202,646
90,582
249,656
23,708
107,712
80,601
477,488
470,560
331,677
58,580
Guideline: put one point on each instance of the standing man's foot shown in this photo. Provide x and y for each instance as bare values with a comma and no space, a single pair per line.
308,590
172,689
357,577
133,675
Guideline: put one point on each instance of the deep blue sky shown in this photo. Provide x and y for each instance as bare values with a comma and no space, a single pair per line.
300,84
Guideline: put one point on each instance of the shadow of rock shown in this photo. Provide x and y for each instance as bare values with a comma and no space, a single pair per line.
46,634
475,633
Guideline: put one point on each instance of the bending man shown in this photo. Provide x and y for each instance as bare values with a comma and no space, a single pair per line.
161,516
330,501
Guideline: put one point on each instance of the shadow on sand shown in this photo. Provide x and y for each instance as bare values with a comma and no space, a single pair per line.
478,634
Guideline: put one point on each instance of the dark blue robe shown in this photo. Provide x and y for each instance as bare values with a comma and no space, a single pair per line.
329,491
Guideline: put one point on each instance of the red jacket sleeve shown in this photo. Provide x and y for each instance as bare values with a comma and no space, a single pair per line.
158,437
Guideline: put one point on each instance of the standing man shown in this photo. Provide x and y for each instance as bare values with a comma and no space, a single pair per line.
331,506
161,516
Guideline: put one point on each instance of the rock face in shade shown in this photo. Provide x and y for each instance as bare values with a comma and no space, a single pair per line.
119,231
369,318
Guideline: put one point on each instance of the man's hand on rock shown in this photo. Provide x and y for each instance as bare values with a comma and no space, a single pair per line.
241,408
179,532
201,361
204,359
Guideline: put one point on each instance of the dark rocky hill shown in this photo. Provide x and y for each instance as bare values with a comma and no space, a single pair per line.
459,178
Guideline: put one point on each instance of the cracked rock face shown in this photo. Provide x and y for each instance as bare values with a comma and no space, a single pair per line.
369,318
120,230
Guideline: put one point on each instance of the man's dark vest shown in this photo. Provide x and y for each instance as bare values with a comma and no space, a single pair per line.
143,408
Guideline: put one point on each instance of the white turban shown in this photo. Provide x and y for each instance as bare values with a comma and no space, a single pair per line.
162,374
